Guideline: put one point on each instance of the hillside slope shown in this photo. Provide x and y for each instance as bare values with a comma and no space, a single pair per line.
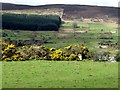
71,11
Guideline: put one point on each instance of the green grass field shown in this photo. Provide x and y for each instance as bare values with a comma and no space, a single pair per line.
0,75
59,40
60,74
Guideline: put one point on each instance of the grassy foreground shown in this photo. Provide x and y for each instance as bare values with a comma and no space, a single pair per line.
0,75
59,74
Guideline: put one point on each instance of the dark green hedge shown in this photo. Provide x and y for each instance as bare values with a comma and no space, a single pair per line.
30,22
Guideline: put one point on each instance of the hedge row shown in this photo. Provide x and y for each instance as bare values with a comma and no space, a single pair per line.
30,22
69,53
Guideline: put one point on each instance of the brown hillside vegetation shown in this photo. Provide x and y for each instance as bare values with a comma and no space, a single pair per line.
72,11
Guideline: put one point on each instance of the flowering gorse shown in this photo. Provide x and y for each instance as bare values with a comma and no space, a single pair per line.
56,55
9,52
68,53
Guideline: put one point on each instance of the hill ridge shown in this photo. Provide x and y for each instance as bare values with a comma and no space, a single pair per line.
71,11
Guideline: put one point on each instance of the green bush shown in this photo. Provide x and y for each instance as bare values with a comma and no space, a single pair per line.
118,57
34,52
30,22
77,49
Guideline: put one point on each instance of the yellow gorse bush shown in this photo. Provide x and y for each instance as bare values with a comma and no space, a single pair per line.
9,53
52,49
68,47
68,53
73,57
56,55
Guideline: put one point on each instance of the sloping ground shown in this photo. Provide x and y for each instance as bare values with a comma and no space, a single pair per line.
8,6
72,11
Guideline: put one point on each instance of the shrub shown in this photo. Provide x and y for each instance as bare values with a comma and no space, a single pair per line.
76,49
56,54
73,57
118,57
9,53
30,22
101,56
69,53
34,52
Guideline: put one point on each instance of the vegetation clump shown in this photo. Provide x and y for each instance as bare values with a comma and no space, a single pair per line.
69,53
118,57
31,22
9,53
